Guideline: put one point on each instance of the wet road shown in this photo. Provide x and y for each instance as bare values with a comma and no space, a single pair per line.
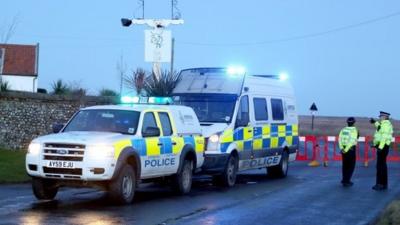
307,196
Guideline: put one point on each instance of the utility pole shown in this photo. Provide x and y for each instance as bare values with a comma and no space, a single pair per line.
172,55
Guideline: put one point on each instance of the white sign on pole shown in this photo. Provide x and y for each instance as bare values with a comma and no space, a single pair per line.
157,45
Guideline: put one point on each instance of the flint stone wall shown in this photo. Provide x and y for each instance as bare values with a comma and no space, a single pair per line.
25,116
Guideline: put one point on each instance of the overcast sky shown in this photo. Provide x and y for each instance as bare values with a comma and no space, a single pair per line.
343,55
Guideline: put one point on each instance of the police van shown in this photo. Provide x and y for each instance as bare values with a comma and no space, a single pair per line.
114,147
249,121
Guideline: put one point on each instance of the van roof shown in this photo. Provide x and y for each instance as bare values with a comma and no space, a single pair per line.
216,80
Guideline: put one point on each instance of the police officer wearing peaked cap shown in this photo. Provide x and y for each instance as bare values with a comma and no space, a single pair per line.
382,139
348,138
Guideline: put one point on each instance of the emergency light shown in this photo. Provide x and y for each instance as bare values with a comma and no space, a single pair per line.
283,76
160,100
236,70
146,100
129,99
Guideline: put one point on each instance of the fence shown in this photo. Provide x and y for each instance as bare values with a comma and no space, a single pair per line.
327,149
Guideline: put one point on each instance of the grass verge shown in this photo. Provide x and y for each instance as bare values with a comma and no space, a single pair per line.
12,166
391,215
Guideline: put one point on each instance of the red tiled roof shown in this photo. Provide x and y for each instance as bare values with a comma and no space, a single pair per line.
19,60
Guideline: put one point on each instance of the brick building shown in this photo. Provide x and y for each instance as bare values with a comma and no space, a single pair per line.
19,66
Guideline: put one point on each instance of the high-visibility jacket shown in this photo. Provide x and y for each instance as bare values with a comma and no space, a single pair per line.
348,137
383,134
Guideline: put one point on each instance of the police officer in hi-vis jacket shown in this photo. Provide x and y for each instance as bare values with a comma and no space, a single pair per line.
382,139
348,138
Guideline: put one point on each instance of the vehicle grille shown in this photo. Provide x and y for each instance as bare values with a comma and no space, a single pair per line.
62,171
63,158
63,152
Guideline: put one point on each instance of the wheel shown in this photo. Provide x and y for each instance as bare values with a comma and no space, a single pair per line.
228,177
280,170
44,189
182,181
122,189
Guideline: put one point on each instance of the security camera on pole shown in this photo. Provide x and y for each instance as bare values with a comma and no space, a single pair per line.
158,41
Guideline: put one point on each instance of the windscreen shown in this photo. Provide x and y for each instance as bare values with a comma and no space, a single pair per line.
212,108
118,121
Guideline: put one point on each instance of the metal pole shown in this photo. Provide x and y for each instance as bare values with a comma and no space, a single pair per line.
120,84
143,10
172,55
312,122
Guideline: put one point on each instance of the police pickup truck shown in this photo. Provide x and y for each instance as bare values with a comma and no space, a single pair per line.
114,147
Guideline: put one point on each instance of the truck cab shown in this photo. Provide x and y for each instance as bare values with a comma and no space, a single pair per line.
249,121
115,147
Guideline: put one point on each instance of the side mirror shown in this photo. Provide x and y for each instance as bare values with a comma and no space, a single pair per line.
57,127
151,132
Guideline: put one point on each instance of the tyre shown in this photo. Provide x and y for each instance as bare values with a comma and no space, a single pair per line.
228,177
182,181
122,188
280,170
44,189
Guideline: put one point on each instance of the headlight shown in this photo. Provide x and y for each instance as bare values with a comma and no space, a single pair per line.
100,151
214,138
34,148
213,142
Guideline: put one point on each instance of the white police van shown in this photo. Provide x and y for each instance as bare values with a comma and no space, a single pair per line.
249,121
113,147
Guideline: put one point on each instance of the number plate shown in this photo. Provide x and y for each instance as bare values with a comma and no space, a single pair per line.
60,164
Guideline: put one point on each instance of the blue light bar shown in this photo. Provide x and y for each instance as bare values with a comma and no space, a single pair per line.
146,100
129,99
160,100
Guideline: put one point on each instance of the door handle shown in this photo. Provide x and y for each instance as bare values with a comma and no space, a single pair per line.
160,144
173,143
249,131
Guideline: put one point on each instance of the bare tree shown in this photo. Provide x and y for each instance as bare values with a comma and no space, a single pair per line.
76,89
121,69
7,31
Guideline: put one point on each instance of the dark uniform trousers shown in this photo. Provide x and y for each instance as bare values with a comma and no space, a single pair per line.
348,164
381,166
